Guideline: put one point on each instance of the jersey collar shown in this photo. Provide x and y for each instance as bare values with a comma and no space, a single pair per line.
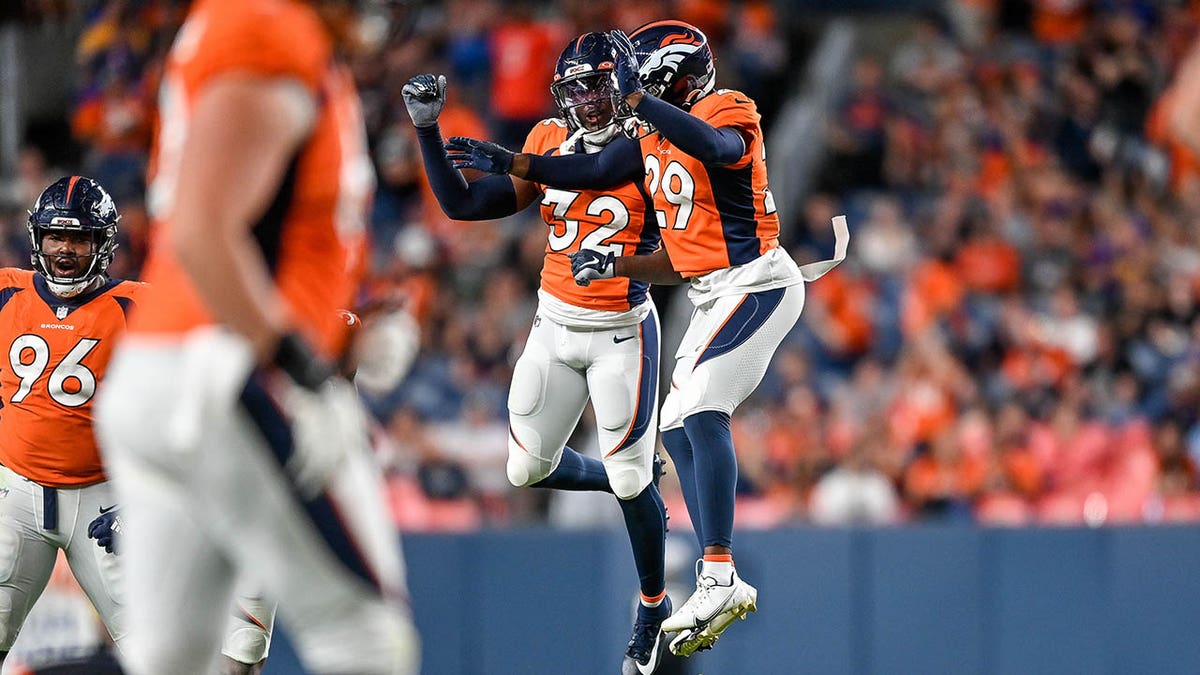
73,303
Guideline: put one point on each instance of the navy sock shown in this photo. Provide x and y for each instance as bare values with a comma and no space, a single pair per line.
576,472
646,520
679,447
716,474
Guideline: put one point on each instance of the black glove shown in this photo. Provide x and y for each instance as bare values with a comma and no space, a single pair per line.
104,529
587,265
424,96
626,63
468,153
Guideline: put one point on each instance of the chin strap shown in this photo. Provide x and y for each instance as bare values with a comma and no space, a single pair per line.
567,147
593,141
73,289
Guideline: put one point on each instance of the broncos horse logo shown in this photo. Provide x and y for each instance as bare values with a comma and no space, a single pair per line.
668,57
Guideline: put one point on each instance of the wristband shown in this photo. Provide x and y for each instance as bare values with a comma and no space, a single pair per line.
294,357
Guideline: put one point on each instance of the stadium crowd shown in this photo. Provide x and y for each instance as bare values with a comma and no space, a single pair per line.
1014,338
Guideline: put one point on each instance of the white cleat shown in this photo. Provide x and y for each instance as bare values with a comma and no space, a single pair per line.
710,610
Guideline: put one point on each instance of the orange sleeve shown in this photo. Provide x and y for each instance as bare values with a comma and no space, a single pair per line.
734,109
283,39
11,277
536,143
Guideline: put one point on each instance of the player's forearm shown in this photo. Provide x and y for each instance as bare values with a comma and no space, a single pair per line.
710,145
231,278
484,199
654,268
619,162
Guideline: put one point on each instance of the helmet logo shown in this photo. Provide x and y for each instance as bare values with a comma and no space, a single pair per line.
667,57
679,38
105,207
575,70
64,220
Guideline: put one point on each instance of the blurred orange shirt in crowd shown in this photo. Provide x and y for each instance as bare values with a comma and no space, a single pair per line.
848,301
927,478
988,264
710,16
1060,22
523,54
921,410
933,291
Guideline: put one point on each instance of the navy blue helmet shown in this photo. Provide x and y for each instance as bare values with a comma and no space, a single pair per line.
675,62
583,88
74,204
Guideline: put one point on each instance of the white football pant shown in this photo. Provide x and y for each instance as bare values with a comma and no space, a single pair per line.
726,350
215,494
28,551
560,367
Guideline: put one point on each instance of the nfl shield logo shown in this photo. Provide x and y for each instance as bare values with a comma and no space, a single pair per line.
61,312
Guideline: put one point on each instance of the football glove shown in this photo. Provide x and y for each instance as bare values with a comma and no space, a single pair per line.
468,153
384,351
424,96
328,425
588,265
626,63
105,529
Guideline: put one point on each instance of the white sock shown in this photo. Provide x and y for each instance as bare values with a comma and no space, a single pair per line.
721,571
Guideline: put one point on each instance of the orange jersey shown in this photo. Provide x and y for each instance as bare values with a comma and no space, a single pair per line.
617,220
313,234
713,217
56,351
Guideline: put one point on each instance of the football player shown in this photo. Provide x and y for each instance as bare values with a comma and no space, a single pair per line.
58,325
702,155
238,453
600,341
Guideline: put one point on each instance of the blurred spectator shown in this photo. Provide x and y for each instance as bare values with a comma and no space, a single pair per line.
944,481
856,492
523,48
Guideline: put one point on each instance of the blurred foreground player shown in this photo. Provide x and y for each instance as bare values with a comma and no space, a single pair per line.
238,453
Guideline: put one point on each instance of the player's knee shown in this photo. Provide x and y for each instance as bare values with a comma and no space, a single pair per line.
525,469
247,644
627,482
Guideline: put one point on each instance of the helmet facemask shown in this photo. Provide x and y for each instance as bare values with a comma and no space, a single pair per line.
589,102
89,266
